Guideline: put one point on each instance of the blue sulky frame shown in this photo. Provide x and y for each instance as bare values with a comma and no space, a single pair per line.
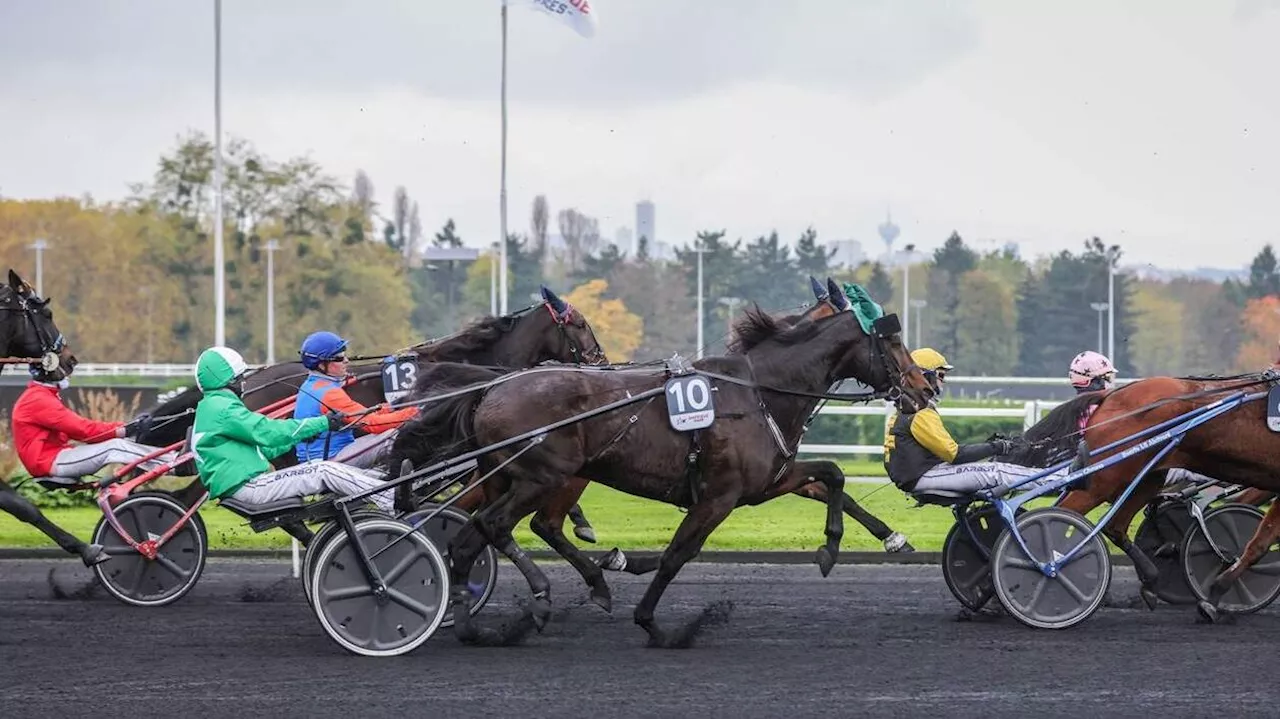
1170,433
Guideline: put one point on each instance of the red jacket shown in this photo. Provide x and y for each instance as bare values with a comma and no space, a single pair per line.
43,426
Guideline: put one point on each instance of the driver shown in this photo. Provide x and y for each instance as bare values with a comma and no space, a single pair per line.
923,456
324,354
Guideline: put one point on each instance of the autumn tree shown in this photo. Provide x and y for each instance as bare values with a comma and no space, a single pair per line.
618,330
1261,324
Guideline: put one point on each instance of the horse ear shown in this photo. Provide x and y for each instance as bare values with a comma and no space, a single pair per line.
15,281
837,295
819,292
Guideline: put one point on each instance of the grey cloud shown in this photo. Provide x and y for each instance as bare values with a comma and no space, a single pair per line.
645,50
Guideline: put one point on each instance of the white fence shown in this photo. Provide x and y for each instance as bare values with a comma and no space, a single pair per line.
1029,413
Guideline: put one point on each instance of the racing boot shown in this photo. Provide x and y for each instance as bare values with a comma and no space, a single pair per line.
92,554
897,542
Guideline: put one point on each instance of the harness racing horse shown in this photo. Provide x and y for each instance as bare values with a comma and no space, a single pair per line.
817,480
763,397
28,334
1236,447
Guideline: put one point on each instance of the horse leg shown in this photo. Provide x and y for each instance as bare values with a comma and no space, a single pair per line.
493,525
1253,551
581,527
692,533
22,508
1117,530
893,541
548,524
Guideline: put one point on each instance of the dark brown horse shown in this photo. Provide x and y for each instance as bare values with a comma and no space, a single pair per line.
28,332
1236,447
762,397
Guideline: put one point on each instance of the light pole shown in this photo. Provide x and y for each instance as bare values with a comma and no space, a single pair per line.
730,302
698,248
39,246
1111,306
1101,307
219,280
146,292
919,305
271,247
493,282
906,287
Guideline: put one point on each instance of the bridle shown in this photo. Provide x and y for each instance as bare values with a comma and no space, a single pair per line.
882,331
593,357
50,347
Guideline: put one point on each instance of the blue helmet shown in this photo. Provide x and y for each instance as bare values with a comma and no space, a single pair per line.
320,347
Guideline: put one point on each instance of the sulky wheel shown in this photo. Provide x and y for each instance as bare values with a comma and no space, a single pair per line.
1042,601
1160,537
410,610
484,573
322,535
132,577
966,567
1231,526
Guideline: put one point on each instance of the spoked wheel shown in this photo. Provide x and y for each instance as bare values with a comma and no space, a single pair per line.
965,566
484,573
1231,526
317,543
402,618
1055,602
133,578
1161,536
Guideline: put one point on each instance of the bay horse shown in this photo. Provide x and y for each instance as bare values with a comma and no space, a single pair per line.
763,398
28,332
816,479
1236,447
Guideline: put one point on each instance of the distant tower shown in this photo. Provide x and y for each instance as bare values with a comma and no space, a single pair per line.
645,224
888,232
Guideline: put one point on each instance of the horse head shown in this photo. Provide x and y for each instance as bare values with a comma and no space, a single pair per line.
27,329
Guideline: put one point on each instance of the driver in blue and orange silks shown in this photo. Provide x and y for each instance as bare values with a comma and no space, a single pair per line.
323,393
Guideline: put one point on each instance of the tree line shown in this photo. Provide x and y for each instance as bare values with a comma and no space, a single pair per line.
133,280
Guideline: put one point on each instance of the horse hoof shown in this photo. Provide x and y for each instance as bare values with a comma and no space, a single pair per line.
1208,612
825,560
613,560
541,613
896,542
585,533
603,600
1149,598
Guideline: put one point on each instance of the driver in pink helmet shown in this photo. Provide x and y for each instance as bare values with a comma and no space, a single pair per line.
1091,372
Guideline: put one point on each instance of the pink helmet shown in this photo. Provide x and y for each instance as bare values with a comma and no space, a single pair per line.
1088,366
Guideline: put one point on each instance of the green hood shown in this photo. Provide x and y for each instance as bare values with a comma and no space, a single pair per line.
862,306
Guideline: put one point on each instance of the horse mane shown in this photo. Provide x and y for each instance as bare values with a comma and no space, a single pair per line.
475,337
757,326
1055,437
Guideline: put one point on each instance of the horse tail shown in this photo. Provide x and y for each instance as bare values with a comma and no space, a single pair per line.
1057,436
442,429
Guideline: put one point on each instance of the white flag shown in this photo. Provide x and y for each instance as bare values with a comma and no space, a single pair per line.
577,14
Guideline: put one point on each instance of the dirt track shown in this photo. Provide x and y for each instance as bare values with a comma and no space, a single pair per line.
868,641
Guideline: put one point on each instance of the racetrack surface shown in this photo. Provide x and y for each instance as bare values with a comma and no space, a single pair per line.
868,641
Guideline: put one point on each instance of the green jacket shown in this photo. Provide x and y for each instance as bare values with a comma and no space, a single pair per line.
233,445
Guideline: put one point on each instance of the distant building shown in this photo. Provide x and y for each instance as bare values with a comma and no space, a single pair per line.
625,241
645,216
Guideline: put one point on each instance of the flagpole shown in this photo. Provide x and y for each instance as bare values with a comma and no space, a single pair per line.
502,193
219,281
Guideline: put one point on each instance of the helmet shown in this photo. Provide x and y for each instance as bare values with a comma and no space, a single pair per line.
321,347
218,367
930,360
1089,366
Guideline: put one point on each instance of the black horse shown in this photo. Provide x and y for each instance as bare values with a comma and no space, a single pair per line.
743,458
27,331
552,330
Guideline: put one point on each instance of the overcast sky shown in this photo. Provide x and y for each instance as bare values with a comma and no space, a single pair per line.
1153,124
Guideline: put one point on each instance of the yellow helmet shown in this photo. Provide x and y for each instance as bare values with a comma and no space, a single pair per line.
930,359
